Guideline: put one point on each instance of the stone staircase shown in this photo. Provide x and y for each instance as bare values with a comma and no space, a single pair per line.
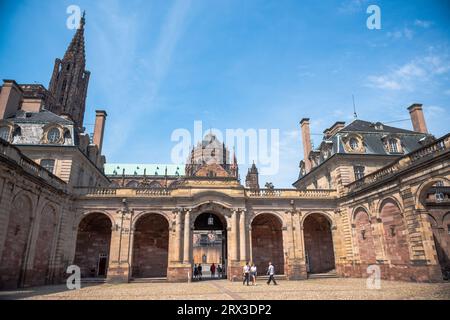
148,280
326,275
93,280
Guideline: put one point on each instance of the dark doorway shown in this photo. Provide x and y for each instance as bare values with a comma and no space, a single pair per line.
318,244
150,247
210,245
102,265
93,242
267,243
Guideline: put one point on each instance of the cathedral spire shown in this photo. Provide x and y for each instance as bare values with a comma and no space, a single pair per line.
70,79
76,46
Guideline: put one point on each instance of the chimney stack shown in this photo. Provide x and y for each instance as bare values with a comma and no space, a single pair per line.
306,141
10,98
417,118
99,129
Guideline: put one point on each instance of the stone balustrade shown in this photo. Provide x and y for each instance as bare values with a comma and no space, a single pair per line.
182,192
11,153
433,149
291,193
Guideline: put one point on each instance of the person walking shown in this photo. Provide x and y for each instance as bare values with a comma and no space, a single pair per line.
253,273
246,272
213,270
271,273
195,271
200,271
219,271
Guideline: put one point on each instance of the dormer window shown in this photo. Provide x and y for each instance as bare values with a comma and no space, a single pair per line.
393,146
354,144
5,133
53,135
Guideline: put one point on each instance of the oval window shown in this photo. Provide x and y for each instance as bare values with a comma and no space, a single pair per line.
53,135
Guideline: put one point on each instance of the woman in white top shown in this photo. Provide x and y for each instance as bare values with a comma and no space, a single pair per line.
253,273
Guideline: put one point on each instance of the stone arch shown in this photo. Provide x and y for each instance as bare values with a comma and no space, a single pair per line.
277,215
364,236
445,218
423,188
438,215
394,230
392,199
210,235
16,242
267,241
45,245
323,213
150,253
358,209
147,212
432,220
93,244
87,213
318,241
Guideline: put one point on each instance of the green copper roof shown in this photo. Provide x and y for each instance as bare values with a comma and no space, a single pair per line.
138,169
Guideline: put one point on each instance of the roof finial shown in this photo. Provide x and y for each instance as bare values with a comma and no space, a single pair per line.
355,115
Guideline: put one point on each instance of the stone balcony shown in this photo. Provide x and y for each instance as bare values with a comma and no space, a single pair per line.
9,153
430,151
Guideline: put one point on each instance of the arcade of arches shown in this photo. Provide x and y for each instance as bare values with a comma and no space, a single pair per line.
138,241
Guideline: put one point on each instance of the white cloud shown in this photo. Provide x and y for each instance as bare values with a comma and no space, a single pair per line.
409,75
435,109
404,33
423,23
352,6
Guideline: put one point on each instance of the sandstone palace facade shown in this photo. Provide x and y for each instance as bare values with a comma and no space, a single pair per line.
370,194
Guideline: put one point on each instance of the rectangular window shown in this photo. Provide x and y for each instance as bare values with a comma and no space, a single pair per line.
359,172
48,164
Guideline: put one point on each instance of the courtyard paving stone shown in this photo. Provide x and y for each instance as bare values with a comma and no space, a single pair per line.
334,289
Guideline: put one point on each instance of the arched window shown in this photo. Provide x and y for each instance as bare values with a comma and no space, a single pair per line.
393,145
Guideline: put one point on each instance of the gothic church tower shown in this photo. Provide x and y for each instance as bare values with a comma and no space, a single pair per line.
70,79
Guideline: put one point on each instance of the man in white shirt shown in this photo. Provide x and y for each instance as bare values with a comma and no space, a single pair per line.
271,273
246,272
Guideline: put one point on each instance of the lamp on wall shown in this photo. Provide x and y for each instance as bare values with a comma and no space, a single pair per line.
210,220
363,233
392,228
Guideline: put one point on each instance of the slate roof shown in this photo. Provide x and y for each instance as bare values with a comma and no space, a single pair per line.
44,116
366,126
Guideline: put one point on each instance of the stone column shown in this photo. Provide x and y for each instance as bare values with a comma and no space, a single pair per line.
242,240
234,237
119,269
234,266
180,268
187,238
178,237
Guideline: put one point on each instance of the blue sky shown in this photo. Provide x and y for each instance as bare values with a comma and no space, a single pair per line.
161,65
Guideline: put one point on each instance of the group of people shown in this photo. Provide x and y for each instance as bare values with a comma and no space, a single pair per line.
250,272
198,271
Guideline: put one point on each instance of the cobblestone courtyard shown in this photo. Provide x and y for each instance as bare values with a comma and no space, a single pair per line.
336,289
